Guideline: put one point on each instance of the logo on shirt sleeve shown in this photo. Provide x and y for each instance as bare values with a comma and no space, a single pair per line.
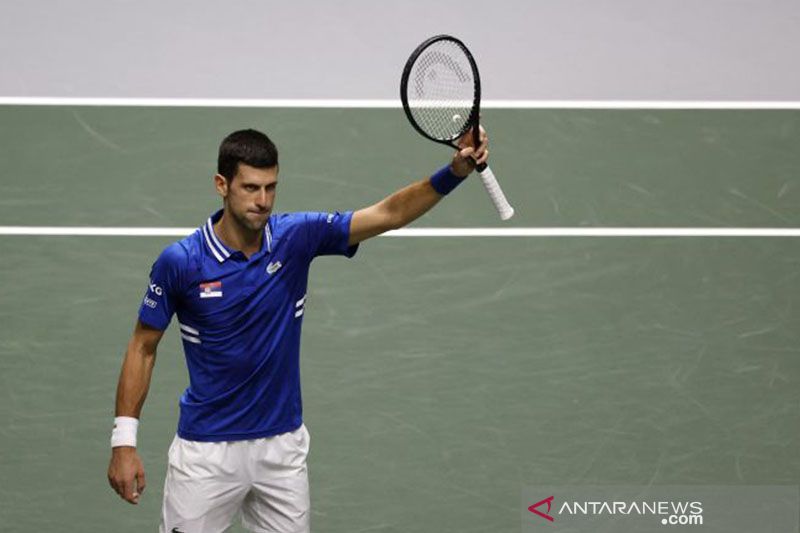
155,291
212,289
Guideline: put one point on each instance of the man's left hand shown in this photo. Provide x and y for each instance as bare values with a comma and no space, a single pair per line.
467,157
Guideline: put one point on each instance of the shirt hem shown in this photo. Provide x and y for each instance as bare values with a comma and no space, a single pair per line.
225,437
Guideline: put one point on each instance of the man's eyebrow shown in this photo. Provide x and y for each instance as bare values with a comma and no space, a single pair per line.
253,184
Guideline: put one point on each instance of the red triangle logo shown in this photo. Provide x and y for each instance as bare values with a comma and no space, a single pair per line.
534,510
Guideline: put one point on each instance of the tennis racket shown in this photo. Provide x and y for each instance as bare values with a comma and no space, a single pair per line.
441,94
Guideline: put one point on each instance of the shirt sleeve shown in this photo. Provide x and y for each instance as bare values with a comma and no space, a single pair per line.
163,290
328,233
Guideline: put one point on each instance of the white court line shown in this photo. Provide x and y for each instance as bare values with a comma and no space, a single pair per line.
391,104
433,232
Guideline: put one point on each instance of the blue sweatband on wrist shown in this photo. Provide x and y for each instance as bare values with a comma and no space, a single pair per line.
445,181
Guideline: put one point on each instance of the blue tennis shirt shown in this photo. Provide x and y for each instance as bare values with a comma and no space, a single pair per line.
240,322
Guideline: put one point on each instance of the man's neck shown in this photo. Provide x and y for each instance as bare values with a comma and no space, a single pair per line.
237,237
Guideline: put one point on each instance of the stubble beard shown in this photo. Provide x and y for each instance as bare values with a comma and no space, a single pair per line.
246,223
249,223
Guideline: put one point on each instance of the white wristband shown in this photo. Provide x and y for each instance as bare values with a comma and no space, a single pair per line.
124,432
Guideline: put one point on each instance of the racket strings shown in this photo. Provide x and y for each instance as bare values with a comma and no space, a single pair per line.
441,90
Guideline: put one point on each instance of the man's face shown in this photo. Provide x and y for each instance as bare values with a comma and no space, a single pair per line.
250,195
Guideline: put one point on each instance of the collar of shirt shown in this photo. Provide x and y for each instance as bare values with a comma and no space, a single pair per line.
222,252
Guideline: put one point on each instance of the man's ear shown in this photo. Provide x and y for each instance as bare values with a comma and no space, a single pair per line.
221,184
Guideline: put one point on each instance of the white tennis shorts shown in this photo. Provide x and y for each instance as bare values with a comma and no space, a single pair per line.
209,483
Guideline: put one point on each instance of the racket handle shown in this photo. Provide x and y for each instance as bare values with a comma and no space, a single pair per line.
495,192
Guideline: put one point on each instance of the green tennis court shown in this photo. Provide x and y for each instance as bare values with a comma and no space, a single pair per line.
440,375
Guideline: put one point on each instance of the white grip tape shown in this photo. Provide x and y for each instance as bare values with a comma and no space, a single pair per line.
496,194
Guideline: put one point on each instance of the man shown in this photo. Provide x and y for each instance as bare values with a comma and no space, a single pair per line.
238,287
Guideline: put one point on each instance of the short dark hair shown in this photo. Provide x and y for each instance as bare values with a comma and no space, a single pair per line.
250,147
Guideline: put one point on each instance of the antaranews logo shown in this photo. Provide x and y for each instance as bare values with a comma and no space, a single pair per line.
658,508
674,513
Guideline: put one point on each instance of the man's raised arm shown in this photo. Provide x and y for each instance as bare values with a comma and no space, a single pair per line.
411,202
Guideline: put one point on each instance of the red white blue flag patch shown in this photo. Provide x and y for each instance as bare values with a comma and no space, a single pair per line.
211,289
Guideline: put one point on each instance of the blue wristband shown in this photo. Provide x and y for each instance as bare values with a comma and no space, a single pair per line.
445,181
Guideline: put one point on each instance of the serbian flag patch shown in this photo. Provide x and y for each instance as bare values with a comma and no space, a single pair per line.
212,289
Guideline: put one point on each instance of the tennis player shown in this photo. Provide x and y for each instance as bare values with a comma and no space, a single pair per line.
238,287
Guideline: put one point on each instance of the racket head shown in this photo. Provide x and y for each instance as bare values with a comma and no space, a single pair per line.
441,90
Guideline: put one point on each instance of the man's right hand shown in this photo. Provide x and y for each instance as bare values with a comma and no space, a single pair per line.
126,473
